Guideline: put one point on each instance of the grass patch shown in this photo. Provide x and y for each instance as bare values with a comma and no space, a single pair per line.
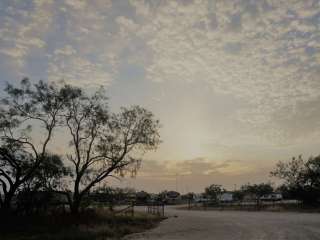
89,225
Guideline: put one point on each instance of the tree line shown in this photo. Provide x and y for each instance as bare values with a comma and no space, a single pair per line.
255,190
102,144
300,181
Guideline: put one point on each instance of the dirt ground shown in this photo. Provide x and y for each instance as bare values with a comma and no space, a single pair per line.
237,225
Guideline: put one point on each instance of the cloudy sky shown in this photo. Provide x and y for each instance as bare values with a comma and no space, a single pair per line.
235,83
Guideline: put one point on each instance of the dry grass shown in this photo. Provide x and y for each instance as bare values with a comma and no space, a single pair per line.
90,225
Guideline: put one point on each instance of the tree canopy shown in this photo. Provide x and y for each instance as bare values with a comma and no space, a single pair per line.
213,191
301,178
106,144
27,109
102,143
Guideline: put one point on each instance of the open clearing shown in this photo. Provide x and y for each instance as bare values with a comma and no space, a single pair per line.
237,225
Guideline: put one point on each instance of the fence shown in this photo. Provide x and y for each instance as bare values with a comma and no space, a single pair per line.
126,211
155,209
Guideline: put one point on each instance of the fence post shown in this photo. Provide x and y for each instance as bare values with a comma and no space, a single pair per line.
132,209
162,209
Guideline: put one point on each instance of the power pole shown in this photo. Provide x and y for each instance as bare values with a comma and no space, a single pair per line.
176,182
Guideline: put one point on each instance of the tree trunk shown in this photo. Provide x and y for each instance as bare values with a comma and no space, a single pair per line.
75,203
6,204
76,198
74,208
5,207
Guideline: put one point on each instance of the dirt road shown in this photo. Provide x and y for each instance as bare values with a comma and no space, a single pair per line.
234,225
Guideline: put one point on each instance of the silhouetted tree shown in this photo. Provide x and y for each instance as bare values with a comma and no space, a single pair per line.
50,174
106,144
238,195
190,196
301,178
142,197
257,189
46,188
213,191
15,164
23,108
312,173
292,172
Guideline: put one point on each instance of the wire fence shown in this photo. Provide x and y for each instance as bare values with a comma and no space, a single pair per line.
128,211
156,208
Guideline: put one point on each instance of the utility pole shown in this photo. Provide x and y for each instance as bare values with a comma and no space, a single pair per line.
176,182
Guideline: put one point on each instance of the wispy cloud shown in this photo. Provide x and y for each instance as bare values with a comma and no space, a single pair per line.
195,174
265,54
24,29
194,167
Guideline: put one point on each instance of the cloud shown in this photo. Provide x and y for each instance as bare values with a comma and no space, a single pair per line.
67,50
76,70
18,39
195,174
67,35
256,51
76,4
194,167
127,26
262,53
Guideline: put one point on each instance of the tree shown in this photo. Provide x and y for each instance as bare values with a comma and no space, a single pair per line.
142,197
45,188
258,189
162,196
189,196
291,172
50,174
105,144
301,178
15,164
24,107
238,195
312,173
213,191
285,191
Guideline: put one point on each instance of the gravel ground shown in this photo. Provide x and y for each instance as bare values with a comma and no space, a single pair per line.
229,225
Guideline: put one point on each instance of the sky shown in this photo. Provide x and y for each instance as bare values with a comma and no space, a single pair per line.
234,83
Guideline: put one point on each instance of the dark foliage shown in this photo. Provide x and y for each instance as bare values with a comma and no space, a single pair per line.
301,179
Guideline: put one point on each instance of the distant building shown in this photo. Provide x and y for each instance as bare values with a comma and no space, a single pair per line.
200,198
272,197
267,197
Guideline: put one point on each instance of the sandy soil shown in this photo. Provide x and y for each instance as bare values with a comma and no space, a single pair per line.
229,225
